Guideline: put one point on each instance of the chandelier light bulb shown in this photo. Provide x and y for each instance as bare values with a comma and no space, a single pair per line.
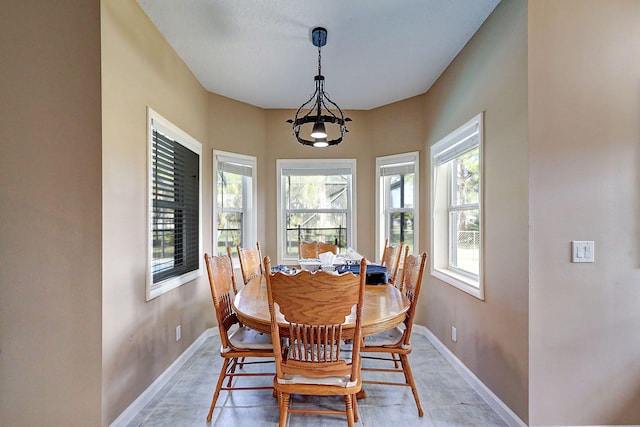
321,143
318,131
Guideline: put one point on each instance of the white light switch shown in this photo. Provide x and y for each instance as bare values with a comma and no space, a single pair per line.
583,250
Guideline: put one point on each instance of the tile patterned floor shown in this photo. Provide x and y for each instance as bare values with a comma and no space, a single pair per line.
447,400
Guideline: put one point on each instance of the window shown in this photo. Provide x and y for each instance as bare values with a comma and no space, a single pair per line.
234,201
456,208
316,204
397,200
174,206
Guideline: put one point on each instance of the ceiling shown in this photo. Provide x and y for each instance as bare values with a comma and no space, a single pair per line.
260,51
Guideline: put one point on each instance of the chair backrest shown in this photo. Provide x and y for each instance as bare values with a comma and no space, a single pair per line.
307,250
311,250
410,286
235,288
250,262
221,281
327,247
315,306
391,259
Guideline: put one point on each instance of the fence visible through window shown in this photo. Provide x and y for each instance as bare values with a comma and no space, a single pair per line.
229,231
467,251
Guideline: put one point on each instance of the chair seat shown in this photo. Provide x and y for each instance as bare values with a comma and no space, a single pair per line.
250,339
387,338
301,379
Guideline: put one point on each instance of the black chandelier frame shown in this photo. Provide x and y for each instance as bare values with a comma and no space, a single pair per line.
318,102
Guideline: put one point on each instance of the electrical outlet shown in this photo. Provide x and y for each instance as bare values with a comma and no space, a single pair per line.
454,334
178,332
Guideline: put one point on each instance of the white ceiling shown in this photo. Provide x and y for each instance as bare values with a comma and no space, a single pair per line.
260,51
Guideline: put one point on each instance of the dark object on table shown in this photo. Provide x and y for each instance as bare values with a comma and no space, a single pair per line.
376,274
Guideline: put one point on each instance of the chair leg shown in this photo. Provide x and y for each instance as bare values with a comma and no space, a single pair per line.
395,361
409,377
216,393
284,408
234,363
241,362
348,402
356,416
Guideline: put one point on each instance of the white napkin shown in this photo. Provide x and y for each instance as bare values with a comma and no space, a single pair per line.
352,255
327,258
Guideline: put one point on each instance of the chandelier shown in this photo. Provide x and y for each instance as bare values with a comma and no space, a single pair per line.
319,110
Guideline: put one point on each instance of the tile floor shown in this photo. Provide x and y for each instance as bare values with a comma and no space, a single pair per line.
447,400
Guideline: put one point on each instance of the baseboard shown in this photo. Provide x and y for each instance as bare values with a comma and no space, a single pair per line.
492,400
136,406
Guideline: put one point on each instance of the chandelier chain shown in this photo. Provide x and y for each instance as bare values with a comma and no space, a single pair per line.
319,60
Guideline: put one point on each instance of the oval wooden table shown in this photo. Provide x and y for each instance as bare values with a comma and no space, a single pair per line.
384,308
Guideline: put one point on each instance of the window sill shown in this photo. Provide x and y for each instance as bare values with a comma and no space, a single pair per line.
466,284
171,283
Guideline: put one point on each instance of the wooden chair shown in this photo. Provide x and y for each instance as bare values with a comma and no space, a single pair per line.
311,250
309,360
397,342
250,262
391,259
307,250
239,342
327,247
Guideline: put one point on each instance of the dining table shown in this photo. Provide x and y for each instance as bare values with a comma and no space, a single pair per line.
384,308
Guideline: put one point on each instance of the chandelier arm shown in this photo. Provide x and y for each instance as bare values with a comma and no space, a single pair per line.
314,95
326,97
322,96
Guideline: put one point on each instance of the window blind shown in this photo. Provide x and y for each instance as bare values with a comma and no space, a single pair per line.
466,140
234,168
175,194
315,171
398,169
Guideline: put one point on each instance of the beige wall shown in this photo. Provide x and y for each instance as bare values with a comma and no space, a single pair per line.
584,115
50,227
489,75
139,69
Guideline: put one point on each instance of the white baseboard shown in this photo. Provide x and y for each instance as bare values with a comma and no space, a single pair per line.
136,406
492,400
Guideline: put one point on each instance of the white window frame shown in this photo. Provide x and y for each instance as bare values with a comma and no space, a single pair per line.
458,142
250,217
156,121
312,164
382,200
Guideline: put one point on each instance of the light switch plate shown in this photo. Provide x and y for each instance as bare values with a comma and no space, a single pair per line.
582,251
